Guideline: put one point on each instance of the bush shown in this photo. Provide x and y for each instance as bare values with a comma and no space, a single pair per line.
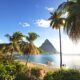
28,74
16,71
21,72
7,72
69,74
34,71
12,71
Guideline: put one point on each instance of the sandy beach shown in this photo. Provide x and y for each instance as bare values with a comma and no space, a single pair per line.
41,66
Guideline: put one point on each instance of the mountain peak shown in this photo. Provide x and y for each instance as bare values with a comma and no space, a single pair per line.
48,47
47,42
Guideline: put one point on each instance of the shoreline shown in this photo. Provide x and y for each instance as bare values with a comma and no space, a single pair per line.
38,65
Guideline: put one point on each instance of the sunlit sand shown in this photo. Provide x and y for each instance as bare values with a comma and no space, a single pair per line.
41,66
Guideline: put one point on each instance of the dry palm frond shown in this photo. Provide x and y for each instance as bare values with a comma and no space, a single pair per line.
31,49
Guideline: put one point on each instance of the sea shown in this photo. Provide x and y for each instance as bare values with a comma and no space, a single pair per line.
53,60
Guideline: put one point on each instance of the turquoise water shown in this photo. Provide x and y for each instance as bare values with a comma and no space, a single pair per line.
72,61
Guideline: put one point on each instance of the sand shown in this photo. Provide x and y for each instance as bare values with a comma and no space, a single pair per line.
41,66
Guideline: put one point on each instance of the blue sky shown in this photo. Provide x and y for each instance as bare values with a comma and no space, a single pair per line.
32,15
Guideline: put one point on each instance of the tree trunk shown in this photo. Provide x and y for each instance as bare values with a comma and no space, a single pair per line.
60,48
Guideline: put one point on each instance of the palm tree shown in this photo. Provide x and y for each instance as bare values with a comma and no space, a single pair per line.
32,37
14,39
23,46
57,22
72,24
72,20
31,48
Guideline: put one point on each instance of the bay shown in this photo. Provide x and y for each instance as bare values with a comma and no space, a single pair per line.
53,60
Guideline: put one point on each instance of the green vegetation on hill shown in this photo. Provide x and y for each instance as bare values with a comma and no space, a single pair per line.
43,51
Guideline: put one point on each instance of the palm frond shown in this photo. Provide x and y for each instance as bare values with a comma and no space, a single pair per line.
56,21
52,22
65,6
72,27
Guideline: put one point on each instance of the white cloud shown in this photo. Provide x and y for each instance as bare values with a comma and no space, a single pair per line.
43,23
1,41
50,9
24,24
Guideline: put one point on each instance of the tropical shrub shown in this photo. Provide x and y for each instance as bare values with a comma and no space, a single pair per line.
37,73
34,71
7,72
21,72
28,74
10,70
69,74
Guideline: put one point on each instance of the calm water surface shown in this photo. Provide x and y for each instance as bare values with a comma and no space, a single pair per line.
72,61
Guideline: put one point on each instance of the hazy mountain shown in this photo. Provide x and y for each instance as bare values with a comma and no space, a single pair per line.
48,47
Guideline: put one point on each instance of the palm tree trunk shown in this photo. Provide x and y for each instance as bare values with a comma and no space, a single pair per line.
60,48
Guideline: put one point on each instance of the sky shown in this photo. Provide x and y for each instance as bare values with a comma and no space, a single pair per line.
32,16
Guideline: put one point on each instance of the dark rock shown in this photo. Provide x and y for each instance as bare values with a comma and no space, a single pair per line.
48,47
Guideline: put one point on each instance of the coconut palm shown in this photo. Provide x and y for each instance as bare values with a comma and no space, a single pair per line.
72,24
32,37
31,48
56,22
14,39
23,46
